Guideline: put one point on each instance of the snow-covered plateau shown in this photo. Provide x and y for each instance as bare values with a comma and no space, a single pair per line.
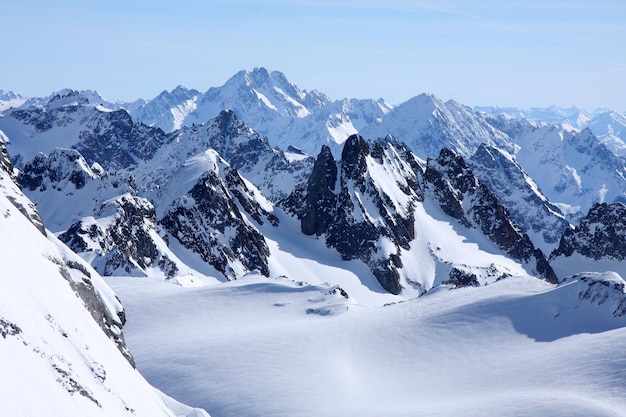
262,250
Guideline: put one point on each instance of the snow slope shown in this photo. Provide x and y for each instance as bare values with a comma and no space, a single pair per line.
55,357
518,347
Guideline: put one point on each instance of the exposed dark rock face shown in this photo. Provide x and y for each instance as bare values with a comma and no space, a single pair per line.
458,192
144,141
601,234
460,278
346,205
353,159
320,198
36,117
106,138
246,151
208,221
8,329
54,170
25,206
608,289
530,209
5,161
123,244
449,178
110,323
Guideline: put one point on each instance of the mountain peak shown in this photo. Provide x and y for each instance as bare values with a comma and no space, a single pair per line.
262,73
259,76
67,97
8,95
355,151
180,93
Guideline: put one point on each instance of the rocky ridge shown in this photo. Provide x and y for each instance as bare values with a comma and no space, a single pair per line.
452,184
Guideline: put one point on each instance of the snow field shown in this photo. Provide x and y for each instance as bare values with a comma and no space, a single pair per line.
519,347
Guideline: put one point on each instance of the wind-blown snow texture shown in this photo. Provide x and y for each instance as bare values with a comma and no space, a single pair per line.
518,347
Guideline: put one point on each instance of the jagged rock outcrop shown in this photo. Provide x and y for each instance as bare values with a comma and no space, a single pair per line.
68,189
601,234
9,187
74,194
607,288
244,149
451,183
5,159
212,221
349,205
111,322
528,207
70,120
375,205
123,238
56,170
321,200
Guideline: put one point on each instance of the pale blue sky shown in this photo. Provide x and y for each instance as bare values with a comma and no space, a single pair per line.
484,52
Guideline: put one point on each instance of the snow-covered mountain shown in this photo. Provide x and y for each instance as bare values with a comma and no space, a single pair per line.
117,161
570,170
199,207
380,205
166,111
519,193
270,104
71,120
427,124
10,99
100,207
452,184
275,172
113,141
608,125
264,99
63,351
218,216
573,169
121,239
275,253
330,125
597,243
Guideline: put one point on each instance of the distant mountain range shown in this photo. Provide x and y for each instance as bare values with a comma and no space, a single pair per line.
608,125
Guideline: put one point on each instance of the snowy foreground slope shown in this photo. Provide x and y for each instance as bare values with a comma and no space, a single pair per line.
55,357
254,347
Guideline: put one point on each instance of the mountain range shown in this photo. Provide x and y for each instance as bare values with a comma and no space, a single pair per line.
363,203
